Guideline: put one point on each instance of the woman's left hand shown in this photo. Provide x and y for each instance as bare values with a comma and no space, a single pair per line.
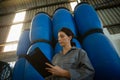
58,71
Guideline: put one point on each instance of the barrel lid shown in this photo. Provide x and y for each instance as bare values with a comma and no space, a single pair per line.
43,13
61,8
81,4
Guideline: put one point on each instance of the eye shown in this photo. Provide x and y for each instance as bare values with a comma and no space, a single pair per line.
62,36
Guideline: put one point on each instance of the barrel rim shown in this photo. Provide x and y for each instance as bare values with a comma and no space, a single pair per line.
60,8
41,40
43,13
80,4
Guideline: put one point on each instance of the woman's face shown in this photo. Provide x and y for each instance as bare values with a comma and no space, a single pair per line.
63,39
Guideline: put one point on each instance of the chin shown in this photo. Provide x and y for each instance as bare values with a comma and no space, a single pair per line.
62,45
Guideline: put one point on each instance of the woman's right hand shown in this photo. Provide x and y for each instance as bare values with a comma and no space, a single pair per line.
58,71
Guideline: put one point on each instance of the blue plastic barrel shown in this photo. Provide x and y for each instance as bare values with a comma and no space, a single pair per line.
30,72
103,56
41,28
86,18
101,52
18,70
63,18
24,43
58,48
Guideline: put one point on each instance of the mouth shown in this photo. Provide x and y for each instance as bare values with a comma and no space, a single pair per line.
60,42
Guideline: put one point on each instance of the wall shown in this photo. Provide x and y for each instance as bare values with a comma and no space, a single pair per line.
114,38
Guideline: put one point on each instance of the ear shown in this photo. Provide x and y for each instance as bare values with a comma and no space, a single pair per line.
70,37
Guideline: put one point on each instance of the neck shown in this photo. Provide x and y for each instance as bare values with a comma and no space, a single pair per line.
66,48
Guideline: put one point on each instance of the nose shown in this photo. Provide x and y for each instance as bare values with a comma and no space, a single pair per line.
59,39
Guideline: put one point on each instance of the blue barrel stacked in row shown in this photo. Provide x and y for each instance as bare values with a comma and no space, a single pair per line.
101,52
41,27
40,36
23,46
24,43
63,18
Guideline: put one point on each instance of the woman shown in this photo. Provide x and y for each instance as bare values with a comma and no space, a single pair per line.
71,63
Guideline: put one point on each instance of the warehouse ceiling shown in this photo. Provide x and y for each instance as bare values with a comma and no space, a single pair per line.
10,3
10,7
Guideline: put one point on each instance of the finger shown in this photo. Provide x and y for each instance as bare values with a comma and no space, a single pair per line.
49,69
49,65
53,73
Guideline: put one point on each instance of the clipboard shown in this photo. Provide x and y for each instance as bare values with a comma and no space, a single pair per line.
37,59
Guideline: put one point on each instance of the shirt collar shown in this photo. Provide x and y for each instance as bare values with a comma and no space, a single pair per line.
73,48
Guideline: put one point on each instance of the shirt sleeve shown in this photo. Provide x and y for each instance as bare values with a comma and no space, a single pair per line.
84,69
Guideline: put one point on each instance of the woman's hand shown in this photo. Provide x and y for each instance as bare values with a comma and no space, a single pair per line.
57,71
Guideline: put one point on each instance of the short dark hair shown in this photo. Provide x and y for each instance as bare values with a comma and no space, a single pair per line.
68,32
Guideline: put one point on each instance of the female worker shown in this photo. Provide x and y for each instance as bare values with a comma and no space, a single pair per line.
71,63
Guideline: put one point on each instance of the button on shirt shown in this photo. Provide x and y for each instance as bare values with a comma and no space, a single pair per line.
76,62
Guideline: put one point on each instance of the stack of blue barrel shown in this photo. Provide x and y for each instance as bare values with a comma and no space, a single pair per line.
40,36
101,52
63,18
23,45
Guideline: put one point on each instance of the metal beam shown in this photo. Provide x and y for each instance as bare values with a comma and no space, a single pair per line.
36,7
8,56
107,7
108,26
8,43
